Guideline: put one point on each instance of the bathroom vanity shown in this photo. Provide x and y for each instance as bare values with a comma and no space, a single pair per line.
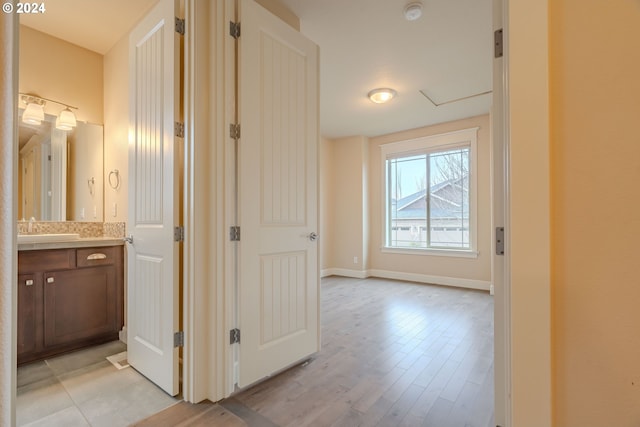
70,296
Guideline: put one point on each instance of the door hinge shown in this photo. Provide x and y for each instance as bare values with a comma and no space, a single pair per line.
179,129
234,336
234,29
234,233
178,339
234,131
497,43
178,234
499,240
180,26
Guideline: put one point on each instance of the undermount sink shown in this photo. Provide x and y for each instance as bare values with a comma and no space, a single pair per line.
44,238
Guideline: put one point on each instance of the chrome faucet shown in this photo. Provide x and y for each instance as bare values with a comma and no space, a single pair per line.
30,226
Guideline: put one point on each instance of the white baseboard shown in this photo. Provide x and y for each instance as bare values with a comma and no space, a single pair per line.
435,280
344,272
410,277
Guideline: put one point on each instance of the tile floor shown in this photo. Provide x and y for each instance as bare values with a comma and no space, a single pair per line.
84,389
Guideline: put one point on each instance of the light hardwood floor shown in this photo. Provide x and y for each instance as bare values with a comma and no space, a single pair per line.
393,354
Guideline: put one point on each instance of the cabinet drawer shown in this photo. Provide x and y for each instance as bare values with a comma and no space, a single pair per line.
89,257
47,260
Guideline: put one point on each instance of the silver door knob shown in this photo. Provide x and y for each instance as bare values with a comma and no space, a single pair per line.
129,239
313,236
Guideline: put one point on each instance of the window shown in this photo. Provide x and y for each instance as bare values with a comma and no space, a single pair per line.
429,193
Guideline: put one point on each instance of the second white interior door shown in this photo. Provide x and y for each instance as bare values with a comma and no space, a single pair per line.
278,195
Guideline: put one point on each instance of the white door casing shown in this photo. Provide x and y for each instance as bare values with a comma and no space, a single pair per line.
152,277
278,195
500,218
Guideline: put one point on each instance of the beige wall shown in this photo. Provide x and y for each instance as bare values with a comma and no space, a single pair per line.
595,108
55,69
343,173
326,184
116,125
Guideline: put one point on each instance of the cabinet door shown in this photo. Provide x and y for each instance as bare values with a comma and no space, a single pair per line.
79,304
29,313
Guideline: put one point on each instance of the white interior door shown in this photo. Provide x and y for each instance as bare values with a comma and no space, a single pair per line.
278,195
152,278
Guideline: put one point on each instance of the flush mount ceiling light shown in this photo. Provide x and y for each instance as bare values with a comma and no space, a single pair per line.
34,112
381,95
413,11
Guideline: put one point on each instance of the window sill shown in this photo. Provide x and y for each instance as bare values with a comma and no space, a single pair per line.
454,253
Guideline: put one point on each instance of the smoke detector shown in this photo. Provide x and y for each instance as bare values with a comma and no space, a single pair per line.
413,11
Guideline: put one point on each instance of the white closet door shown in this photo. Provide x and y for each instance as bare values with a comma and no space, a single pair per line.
278,195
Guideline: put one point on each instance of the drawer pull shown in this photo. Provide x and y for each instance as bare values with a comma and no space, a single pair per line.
50,280
28,282
96,256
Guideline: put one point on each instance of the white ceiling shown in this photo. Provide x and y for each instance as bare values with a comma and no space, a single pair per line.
364,44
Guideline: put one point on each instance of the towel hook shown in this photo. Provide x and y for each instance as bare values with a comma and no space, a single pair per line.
114,182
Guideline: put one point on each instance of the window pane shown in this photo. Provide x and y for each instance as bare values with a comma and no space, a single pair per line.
406,196
449,199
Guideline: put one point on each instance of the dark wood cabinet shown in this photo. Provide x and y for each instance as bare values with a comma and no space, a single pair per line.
29,313
68,299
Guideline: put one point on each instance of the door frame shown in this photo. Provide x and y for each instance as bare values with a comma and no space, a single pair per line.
209,202
527,331
500,279
526,35
9,31
521,28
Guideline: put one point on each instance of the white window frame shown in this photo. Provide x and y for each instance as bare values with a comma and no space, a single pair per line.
426,145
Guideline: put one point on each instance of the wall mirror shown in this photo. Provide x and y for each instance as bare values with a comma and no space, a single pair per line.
60,172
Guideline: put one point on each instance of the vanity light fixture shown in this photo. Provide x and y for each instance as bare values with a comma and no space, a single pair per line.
381,95
34,112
